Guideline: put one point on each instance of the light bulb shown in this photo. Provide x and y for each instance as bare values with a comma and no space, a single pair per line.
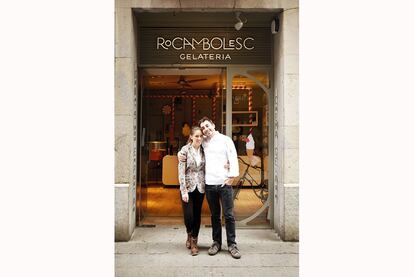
238,25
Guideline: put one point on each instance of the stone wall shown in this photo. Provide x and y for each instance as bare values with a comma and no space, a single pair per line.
202,5
287,125
125,123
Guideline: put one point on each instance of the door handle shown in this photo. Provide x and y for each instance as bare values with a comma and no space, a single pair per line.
143,137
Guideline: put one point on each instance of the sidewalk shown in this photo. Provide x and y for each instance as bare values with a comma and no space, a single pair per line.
161,251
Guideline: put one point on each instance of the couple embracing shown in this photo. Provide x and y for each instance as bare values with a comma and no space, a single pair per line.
208,165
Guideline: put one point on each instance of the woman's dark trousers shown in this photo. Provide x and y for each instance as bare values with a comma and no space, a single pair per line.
192,212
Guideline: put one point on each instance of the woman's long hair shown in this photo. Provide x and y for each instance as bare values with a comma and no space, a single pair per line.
193,130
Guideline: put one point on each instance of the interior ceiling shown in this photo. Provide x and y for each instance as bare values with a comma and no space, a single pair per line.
177,80
181,79
181,82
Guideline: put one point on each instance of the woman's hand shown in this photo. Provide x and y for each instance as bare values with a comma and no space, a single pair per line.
185,198
181,157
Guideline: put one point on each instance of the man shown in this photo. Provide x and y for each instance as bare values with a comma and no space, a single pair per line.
219,151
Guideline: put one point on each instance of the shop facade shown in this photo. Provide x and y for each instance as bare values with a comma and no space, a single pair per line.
180,60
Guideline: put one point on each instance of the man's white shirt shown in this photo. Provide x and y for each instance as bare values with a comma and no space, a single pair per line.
218,150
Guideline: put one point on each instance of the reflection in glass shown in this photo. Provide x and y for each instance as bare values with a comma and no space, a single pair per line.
261,75
250,131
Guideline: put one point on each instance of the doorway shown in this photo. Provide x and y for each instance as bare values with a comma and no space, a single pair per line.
170,101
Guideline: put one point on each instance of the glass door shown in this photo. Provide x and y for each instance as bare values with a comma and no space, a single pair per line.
247,120
142,163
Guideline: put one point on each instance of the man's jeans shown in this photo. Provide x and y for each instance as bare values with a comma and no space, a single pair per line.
216,194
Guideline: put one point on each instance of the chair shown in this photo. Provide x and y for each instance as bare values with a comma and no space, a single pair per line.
170,170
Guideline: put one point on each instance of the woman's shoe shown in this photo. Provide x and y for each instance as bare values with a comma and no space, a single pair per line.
188,242
194,247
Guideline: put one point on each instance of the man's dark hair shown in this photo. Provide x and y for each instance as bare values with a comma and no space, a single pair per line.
204,119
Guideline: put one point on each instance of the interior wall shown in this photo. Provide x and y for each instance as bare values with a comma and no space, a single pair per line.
183,114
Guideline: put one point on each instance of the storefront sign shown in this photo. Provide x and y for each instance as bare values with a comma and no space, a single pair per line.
205,46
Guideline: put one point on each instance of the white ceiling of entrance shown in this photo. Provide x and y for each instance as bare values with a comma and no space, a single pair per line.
191,79
202,19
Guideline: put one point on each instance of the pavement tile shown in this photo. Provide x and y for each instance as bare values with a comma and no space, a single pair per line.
161,252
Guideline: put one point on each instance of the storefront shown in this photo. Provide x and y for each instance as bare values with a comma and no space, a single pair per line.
186,65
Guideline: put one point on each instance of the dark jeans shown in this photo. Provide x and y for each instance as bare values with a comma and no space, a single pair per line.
192,212
216,194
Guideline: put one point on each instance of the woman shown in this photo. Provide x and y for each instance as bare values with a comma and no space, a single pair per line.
192,184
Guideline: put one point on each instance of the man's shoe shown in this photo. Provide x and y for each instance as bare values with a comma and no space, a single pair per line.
234,251
214,249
